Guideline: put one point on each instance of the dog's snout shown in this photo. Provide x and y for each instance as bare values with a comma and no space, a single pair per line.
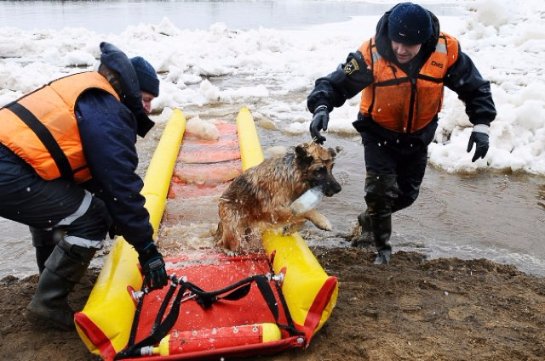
333,187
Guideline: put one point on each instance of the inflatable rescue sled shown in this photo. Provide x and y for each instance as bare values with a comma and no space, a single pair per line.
215,305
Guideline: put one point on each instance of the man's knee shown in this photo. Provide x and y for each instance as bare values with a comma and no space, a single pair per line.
381,192
404,201
408,193
92,224
44,237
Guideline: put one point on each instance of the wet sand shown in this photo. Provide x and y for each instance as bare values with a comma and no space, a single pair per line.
413,309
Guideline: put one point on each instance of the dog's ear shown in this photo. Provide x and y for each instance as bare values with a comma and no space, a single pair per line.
302,155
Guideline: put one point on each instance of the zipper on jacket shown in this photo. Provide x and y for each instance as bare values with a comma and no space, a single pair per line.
411,106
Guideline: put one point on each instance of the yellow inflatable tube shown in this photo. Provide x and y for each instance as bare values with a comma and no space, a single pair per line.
105,322
309,292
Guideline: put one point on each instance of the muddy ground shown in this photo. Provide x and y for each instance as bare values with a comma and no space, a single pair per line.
413,309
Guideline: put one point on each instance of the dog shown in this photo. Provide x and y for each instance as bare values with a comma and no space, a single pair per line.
260,198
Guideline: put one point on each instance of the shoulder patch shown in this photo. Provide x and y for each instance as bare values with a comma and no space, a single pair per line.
351,67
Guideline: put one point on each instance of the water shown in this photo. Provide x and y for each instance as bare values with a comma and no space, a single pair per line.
488,215
115,16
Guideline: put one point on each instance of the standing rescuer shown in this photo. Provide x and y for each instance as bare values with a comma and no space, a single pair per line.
402,71
68,170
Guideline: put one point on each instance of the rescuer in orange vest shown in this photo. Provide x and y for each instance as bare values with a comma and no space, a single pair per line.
68,170
401,73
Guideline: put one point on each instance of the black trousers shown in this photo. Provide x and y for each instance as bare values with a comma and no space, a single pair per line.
395,170
49,205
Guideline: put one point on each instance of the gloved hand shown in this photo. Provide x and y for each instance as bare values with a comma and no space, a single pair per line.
153,267
112,231
319,122
479,137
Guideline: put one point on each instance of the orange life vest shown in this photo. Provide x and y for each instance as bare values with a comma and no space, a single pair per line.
42,129
399,103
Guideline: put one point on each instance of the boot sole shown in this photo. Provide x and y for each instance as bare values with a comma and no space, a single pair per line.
43,321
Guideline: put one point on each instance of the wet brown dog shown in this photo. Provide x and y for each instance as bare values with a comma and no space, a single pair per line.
260,198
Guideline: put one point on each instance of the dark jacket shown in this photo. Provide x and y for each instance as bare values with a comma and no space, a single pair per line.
462,77
108,131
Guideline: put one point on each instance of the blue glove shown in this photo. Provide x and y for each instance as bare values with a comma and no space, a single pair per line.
153,267
319,122
479,137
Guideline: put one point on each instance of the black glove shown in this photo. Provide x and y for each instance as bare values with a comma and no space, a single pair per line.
153,267
112,231
319,122
479,137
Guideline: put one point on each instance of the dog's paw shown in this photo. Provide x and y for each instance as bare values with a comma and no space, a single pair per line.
319,220
229,248
324,225
229,253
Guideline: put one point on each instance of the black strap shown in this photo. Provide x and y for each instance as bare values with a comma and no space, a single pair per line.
267,293
133,350
290,327
395,81
163,307
372,60
232,292
237,290
430,78
136,320
45,137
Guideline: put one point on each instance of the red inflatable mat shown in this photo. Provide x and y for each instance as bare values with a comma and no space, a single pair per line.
195,150
186,191
207,173
205,167
212,271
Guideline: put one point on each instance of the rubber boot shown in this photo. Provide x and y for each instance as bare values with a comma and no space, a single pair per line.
44,242
42,254
362,235
381,193
63,269
382,230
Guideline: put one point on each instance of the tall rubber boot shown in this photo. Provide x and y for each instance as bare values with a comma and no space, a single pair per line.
362,235
382,230
381,192
44,242
63,269
42,254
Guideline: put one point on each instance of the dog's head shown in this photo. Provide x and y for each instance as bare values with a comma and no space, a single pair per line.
315,162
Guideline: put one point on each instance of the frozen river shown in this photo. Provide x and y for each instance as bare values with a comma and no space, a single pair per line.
486,215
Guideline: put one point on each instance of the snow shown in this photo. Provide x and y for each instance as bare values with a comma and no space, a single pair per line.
278,67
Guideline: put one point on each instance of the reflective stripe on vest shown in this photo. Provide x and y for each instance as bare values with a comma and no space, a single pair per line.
41,127
399,103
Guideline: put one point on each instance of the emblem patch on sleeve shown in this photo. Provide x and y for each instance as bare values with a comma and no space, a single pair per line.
351,67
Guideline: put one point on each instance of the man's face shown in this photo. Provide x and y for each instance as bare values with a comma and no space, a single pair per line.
405,53
146,101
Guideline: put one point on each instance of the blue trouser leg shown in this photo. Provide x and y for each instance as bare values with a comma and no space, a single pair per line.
50,208
57,205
